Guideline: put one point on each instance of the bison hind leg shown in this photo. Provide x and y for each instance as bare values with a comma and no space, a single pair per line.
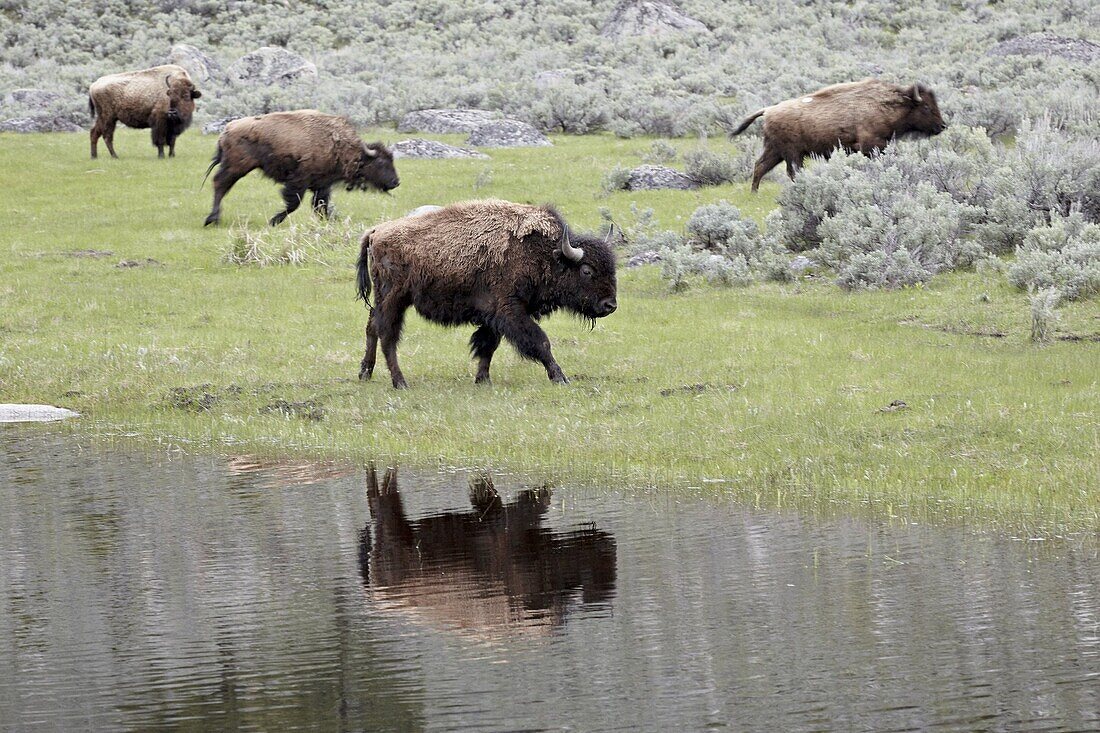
483,344
769,159
370,355
292,198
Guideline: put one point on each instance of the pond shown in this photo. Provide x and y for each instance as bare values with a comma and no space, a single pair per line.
145,591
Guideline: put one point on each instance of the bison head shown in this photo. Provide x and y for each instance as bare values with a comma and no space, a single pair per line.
181,97
585,274
924,114
373,169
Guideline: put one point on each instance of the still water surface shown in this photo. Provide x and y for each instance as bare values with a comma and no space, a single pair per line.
151,592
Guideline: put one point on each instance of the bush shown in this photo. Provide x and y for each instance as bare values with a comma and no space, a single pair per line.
1063,256
1043,315
709,168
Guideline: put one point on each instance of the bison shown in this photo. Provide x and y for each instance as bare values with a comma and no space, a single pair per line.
494,571
494,264
303,150
161,98
862,115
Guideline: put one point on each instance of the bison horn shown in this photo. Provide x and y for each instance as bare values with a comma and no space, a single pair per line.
370,152
168,80
568,250
914,93
610,231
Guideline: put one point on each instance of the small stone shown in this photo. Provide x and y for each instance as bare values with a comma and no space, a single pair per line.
34,413
648,257
656,177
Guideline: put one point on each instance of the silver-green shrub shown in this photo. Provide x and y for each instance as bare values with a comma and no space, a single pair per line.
1064,256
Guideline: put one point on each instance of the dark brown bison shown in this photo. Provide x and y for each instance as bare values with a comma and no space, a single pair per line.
493,571
862,115
493,264
161,98
303,150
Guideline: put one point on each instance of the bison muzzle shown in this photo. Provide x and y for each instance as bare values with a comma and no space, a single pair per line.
496,265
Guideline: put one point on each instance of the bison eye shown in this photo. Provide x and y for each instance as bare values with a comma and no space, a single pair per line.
586,270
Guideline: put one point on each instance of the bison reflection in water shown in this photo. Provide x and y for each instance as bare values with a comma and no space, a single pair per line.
492,571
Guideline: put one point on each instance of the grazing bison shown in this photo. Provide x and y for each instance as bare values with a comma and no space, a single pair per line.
303,150
497,265
862,115
161,98
494,571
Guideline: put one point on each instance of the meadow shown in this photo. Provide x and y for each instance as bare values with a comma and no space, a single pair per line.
116,302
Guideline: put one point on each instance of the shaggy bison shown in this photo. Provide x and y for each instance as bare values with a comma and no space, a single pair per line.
493,264
862,115
493,571
303,150
161,98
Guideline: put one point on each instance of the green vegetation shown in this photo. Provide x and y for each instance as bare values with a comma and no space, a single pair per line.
783,394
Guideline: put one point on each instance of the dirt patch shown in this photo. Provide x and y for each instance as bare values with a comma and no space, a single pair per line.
695,389
192,399
147,262
1093,338
957,330
92,253
895,406
306,410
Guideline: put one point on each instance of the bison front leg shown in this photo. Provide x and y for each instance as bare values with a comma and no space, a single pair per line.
530,340
292,198
322,201
483,344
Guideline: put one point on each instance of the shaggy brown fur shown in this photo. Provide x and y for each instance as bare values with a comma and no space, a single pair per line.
161,98
494,264
862,115
526,574
303,149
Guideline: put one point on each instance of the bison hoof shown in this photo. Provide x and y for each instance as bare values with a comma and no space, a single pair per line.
400,384
277,220
483,379
210,220
365,375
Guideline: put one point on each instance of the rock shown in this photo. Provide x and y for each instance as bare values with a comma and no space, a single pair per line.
271,65
443,121
40,123
34,413
35,99
801,264
648,257
419,148
646,18
215,127
654,177
553,77
200,66
1046,44
425,209
507,134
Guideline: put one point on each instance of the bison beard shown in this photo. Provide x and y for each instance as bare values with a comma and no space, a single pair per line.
492,264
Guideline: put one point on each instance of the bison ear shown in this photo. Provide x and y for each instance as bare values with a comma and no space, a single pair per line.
914,94
195,94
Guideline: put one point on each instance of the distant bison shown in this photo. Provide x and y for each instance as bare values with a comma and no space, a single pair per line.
303,150
161,98
862,115
497,265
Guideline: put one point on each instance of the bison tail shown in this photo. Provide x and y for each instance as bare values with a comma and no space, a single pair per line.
362,270
741,128
217,159
91,106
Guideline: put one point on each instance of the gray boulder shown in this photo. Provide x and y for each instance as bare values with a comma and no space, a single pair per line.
215,127
200,66
40,123
646,18
649,257
655,177
1046,44
31,99
802,265
507,134
271,65
34,413
444,121
419,148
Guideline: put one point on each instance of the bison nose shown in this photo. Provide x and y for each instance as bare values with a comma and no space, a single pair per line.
608,306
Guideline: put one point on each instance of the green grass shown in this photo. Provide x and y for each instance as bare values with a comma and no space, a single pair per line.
771,393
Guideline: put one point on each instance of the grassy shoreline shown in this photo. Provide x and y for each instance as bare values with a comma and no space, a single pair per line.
775,393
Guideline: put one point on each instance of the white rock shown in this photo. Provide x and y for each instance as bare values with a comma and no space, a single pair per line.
34,413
